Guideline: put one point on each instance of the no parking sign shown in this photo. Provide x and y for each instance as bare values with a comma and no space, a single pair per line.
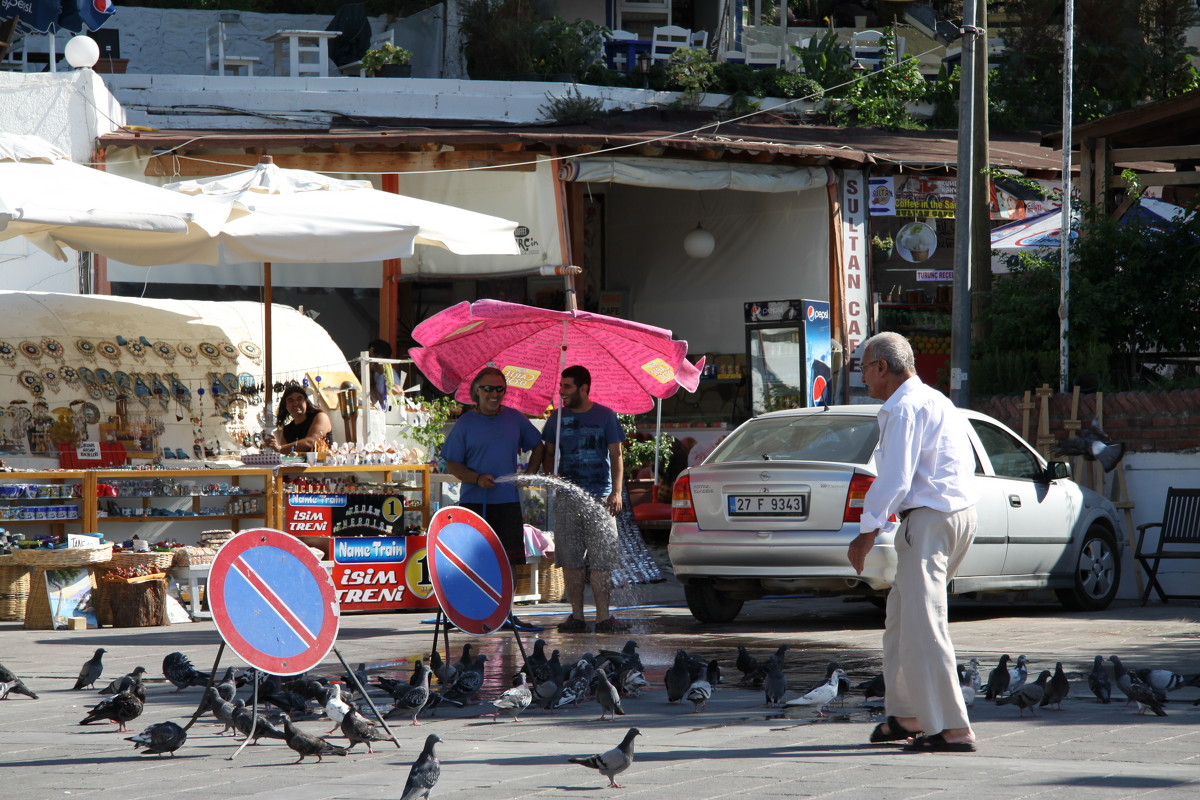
471,574
273,602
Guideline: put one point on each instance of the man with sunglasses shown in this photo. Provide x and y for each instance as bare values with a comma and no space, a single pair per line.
484,444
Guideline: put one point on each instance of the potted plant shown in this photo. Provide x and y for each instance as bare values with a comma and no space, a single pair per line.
638,452
388,61
563,50
428,427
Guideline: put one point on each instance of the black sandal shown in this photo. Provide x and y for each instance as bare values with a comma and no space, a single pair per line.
896,732
938,744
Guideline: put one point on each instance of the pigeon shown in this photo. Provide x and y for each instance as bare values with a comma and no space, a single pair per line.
360,673
775,682
11,684
120,708
874,687
291,703
1028,696
358,728
178,669
843,684
424,773
608,697
445,673
966,684
306,744
627,657
746,664
466,660
1017,675
263,729
998,680
466,686
780,655
576,686
124,683
221,709
1123,677
159,738
1099,682
414,699
314,689
713,673
335,707
1094,445
1161,681
614,762
698,694
515,700
676,679
1057,689
537,666
973,666
818,698
90,672
1143,695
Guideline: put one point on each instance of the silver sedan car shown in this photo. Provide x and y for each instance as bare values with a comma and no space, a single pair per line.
773,509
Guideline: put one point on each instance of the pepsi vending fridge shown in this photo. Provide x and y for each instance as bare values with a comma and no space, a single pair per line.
788,352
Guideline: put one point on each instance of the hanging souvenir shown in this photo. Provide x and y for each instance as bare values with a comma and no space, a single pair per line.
123,381
107,385
181,393
31,381
188,352
91,413
230,384
138,351
140,390
70,377
229,351
165,352
52,348
90,383
251,351
8,352
31,351
109,351
209,351
86,349
50,379
160,390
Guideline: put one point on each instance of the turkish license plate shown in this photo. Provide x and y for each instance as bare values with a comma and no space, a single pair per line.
760,505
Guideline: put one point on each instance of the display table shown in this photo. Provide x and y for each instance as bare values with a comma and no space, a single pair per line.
194,574
302,43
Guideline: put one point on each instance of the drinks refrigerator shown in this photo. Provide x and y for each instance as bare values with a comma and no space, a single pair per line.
788,353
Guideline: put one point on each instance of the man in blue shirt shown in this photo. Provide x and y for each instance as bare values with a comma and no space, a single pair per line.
590,457
483,445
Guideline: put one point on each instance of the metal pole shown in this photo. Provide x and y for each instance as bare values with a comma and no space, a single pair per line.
364,375
253,719
212,677
1064,283
363,691
960,318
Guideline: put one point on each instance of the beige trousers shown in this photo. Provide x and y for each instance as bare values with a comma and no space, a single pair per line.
919,670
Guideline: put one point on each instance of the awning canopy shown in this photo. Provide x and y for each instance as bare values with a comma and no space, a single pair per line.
662,173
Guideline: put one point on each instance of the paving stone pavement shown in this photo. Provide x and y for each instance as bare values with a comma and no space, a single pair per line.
736,748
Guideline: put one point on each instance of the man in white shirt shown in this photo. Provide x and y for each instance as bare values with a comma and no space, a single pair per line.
926,479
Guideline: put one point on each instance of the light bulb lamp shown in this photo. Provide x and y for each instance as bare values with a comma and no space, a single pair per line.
82,51
699,243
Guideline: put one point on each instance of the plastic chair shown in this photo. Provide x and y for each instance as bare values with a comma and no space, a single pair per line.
761,56
667,40
866,48
217,59
698,40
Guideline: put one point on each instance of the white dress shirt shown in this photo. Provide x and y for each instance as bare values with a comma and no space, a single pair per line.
923,458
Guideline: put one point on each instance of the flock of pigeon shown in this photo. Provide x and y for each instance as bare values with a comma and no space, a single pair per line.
608,679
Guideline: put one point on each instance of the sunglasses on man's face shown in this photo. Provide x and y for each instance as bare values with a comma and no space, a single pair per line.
496,389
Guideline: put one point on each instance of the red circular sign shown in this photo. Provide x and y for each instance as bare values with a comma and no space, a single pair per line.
470,571
273,602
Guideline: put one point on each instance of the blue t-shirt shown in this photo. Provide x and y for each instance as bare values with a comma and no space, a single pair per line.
489,445
583,457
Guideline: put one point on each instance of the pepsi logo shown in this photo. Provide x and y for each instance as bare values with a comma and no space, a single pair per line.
103,6
813,314
818,390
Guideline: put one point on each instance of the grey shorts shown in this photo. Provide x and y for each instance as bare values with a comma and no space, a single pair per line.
585,537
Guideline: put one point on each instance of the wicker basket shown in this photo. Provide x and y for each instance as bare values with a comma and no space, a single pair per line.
64,557
160,561
551,583
37,611
14,588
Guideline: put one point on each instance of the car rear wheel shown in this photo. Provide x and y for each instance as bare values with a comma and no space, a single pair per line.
708,604
1097,573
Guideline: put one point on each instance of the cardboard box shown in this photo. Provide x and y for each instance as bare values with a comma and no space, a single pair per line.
76,624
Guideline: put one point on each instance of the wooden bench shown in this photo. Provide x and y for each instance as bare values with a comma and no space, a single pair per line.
1179,538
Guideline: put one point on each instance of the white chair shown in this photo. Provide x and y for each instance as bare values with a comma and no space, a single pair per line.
13,57
667,40
866,48
217,59
377,41
763,55
698,40
734,56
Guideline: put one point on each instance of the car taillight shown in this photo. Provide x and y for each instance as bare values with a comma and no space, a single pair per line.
681,500
855,496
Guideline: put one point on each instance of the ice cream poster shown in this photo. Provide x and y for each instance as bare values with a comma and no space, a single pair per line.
916,242
70,593
881,196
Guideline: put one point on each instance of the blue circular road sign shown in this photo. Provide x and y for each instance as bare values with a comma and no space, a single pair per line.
470,571
273,602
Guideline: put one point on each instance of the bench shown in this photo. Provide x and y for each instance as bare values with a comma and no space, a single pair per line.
1178,538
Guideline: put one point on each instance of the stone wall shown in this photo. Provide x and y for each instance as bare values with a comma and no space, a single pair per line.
1145,422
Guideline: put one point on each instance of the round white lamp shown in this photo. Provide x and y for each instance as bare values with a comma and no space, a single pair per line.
82,51
699,243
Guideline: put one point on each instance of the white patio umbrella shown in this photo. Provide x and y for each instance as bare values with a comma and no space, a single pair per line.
56,203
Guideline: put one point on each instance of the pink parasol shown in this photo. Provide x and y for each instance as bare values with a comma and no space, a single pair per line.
630,362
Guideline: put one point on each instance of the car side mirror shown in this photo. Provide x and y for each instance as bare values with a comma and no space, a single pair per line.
1058,470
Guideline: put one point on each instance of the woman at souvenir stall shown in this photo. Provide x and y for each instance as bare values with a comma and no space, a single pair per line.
301,424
